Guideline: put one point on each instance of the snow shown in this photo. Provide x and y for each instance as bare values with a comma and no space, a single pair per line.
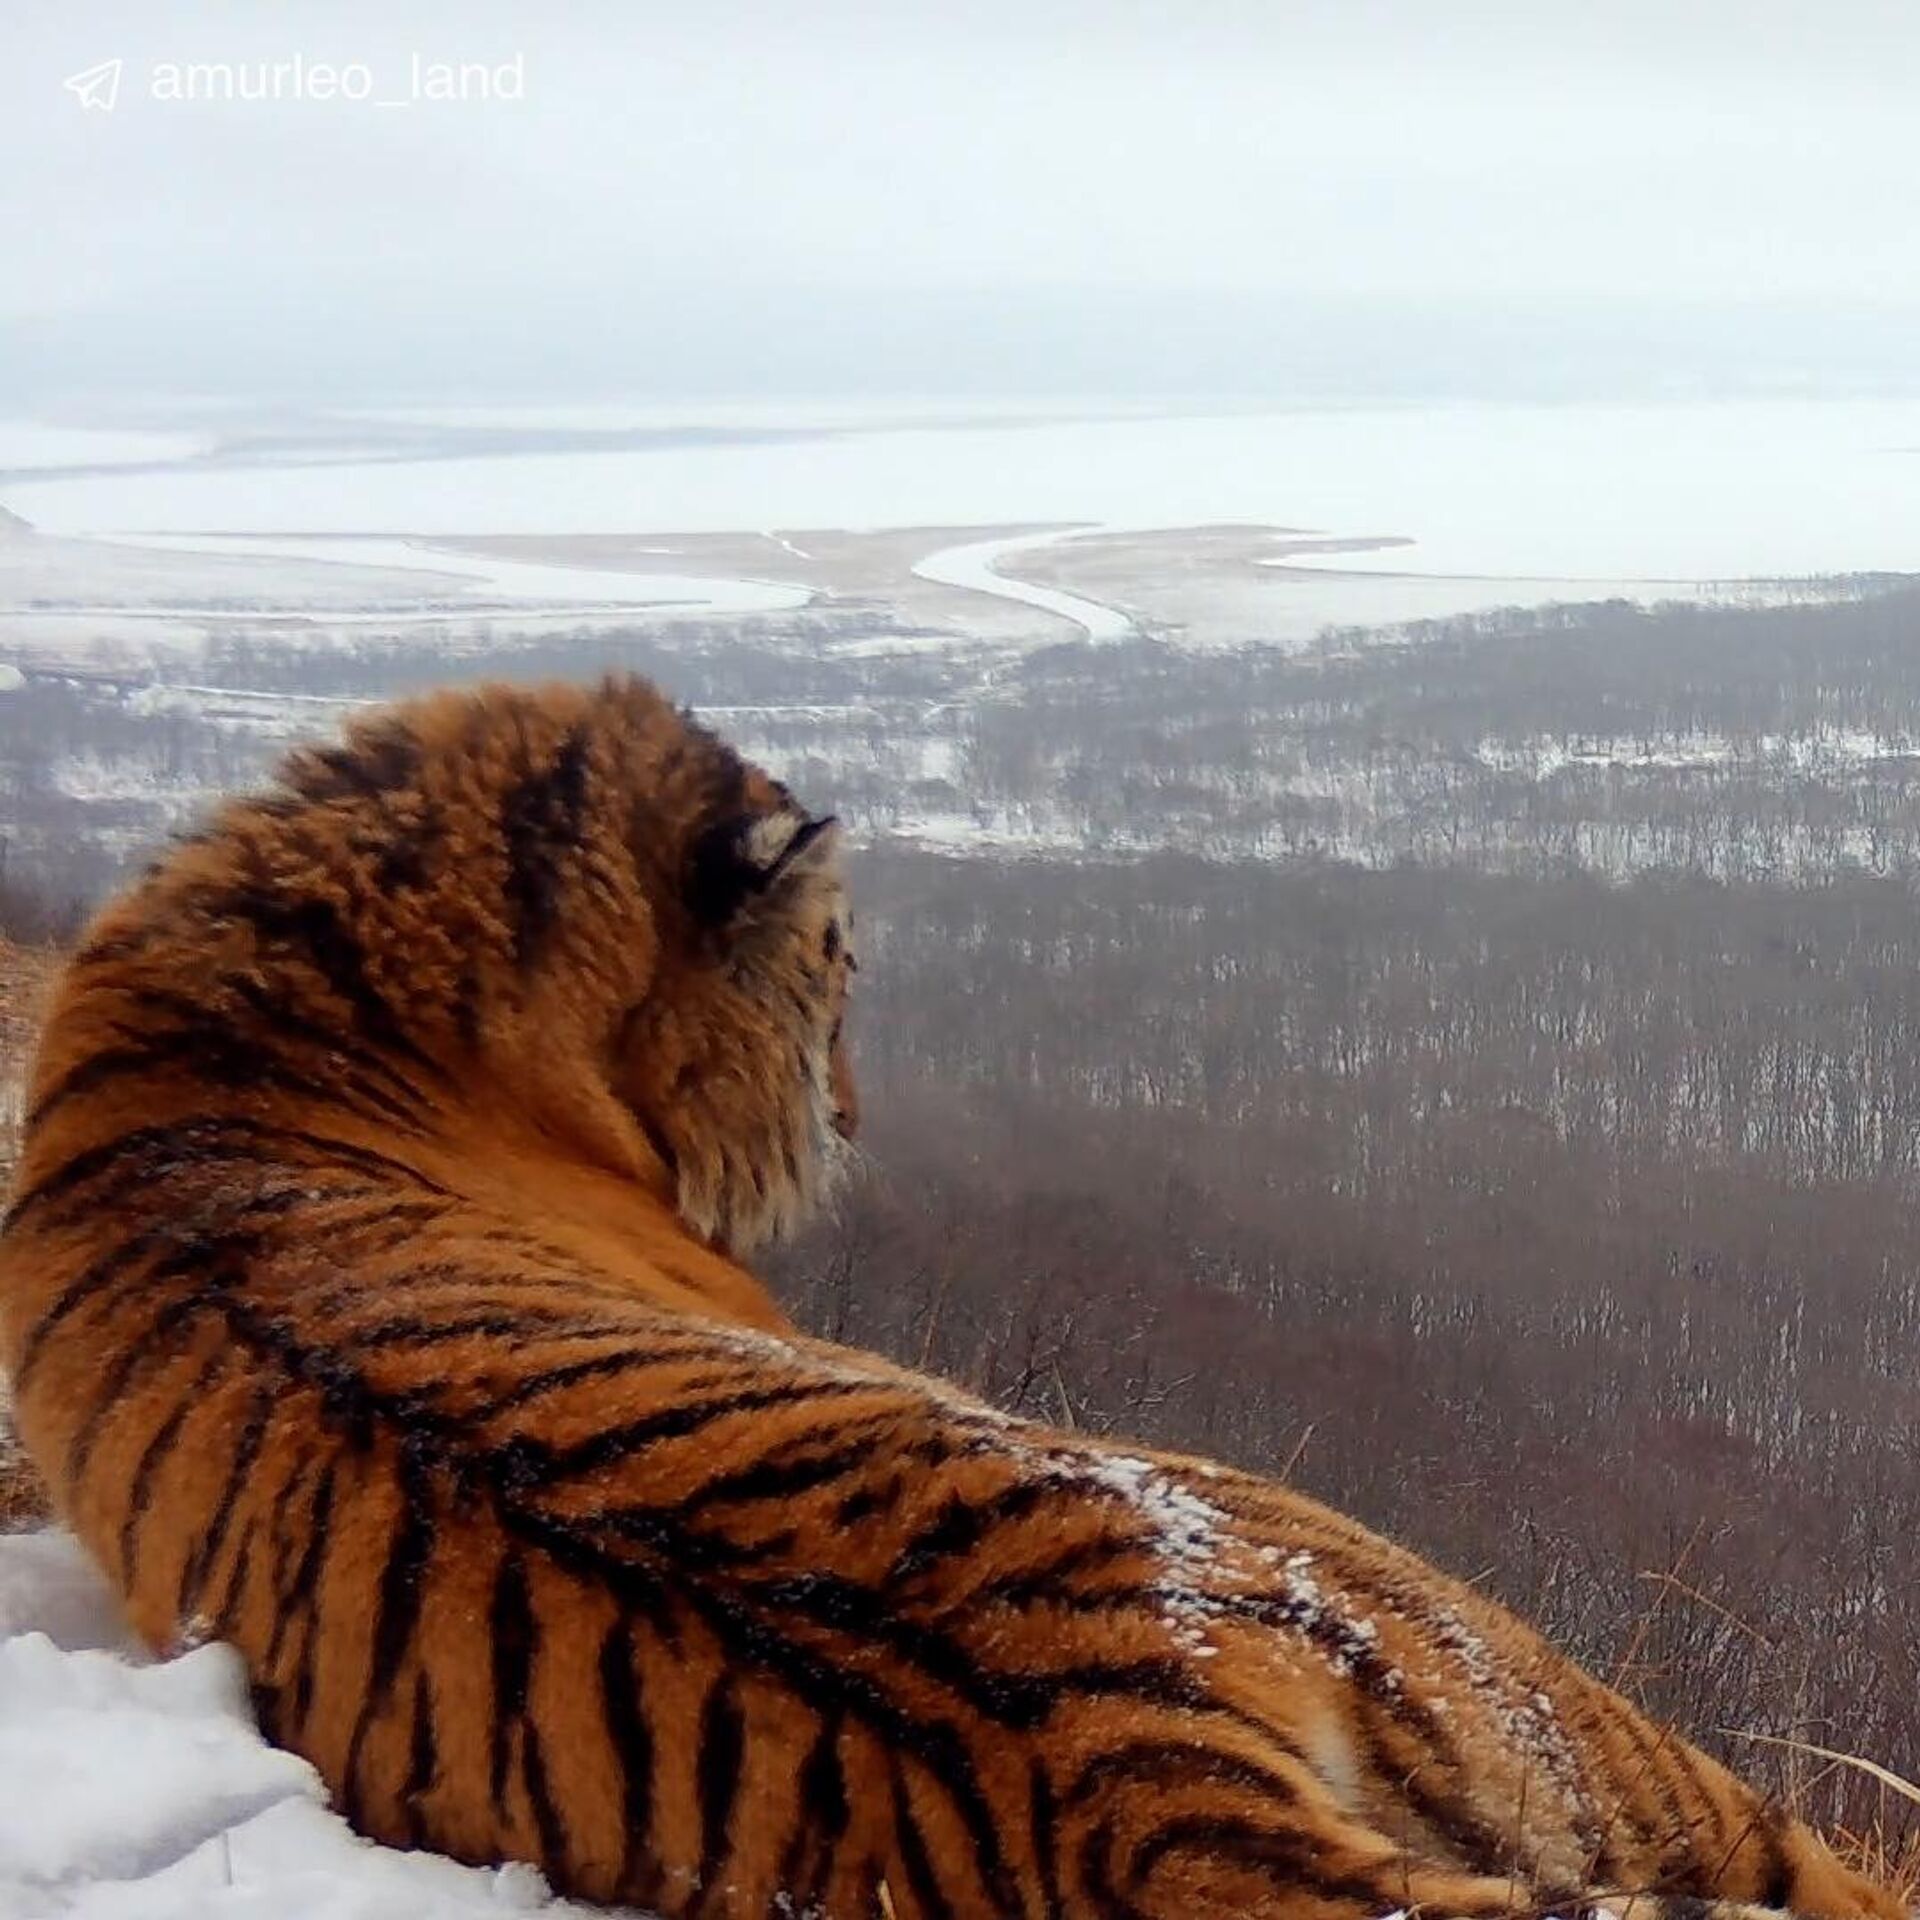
1823,749
139,1789
448,577
1186,1536
1345,1639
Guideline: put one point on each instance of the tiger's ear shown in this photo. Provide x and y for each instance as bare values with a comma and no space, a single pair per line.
739,862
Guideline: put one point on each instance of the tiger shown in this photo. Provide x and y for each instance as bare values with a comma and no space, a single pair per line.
376,1298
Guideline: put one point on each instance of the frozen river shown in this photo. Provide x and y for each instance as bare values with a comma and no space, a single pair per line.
1688,493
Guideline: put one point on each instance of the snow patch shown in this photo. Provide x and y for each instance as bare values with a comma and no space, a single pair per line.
114,1770
135,1789
1185,1537
1347,1642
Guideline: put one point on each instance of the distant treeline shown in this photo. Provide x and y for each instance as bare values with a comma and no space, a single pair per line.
1742,744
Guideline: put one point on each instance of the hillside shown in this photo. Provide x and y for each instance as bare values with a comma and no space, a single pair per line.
24,972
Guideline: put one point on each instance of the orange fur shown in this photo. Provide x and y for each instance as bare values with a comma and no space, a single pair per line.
373,1294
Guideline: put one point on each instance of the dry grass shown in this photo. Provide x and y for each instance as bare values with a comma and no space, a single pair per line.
1890,1857
25,973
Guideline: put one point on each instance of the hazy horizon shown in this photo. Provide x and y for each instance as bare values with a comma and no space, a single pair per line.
1062,198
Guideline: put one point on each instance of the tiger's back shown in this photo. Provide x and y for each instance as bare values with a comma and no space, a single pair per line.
372,1295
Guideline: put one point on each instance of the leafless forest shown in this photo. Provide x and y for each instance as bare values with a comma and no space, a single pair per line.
1561,1227
1476,1075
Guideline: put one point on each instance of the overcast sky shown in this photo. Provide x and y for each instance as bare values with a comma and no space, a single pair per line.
1048,192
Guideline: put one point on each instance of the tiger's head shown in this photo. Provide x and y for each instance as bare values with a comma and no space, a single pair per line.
735,1061
592,909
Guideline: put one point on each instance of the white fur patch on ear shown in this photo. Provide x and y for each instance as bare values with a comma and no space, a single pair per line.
769,837
789,841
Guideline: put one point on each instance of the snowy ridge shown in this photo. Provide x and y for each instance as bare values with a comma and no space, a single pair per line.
134,1789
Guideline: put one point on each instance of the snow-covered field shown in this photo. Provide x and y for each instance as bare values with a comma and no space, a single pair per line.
1680,492
135,1789
449,577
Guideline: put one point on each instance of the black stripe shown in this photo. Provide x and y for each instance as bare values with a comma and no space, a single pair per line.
226,1609
202,1140
751,1641
1162,1763
1492,1848
1286,1856
957,1530
154,1345
664,1150
379,1221
1648,1779
1047,1581
97,1279
196,1252
466,1006
623,1711
311,931
614,1444
511,1325
292,1023
928,1894
1377,1682
1688,1763
720,1756
821,1820
200,1562
153,1457
377,757
1041,1815
601,1366
739,1617
1015,1699
403,1579
1096,1881
548,1821
303,1597
540,824
297,1593
863,1503
514,1635
213,1052
265,1700
775,1479
460,1273
1778,1879
280,1575
660,1530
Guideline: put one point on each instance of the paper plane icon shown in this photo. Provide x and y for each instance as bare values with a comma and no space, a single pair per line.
98,88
